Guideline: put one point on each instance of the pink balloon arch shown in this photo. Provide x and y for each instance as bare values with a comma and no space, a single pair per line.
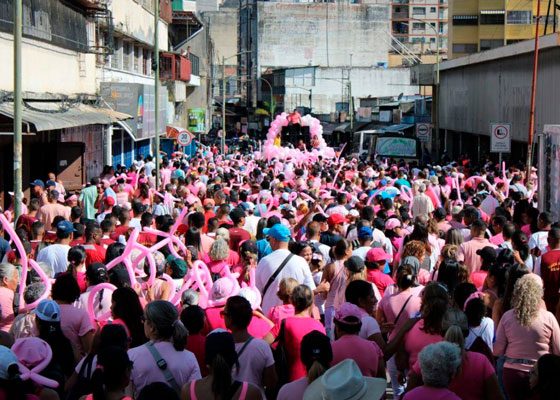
271,151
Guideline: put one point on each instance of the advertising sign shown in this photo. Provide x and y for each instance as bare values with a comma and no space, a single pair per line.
197,120
500,138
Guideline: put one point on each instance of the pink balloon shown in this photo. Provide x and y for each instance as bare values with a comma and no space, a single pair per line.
34,373
91,299
198,278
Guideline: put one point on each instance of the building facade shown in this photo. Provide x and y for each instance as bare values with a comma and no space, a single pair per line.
479,25
419,30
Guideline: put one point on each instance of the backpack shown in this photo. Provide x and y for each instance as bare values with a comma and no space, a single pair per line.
480,346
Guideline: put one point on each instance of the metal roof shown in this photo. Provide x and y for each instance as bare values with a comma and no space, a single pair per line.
396,128
47,116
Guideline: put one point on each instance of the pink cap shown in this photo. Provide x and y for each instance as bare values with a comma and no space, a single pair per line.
224,288
349,310
377,254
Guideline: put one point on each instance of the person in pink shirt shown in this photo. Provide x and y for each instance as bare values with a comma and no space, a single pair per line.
222,289
476,378
75,322
428,329
293,329
375,261
349,344
317,356
467,250
525,333
439,363
9,280
498,223
286,309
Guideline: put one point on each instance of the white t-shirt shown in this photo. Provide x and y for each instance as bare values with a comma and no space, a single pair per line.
369,327
256,356
82,302
485,331
361,252
55,255
296,268
251,223
135,223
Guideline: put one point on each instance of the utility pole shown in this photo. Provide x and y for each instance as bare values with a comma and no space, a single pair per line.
223,138
156,84
351,104
18,106
533,98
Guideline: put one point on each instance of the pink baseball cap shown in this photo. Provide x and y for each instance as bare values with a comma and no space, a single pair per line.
377,254
349,310
224,288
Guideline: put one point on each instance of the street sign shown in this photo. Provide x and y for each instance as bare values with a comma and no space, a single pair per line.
184,138
500,138
424,132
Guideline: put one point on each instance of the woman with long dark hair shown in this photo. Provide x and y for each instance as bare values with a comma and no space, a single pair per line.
221,357
127,310
112,376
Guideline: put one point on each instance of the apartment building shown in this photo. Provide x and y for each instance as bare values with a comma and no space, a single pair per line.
479,25
419,31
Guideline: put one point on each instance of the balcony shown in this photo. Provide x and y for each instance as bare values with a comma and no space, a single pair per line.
174,67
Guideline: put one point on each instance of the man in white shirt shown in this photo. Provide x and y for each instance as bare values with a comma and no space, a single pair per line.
421,203
56,255
296,267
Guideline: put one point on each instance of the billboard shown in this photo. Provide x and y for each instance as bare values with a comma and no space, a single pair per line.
398,147
137,100
197,120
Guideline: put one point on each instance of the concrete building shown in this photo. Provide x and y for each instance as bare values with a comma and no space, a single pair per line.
324,92
418,28
478,25
495,87
332,35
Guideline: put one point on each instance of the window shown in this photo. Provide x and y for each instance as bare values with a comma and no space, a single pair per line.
512,41
418,25
417,40
116,56
300,77
465,20
467,48
488,44
432,9
491,17
126,56
137,59
418,11
519,17
432,40
146,62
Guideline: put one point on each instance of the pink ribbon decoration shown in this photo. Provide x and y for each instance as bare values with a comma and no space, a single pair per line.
197,278
170,239
305,196
25,344
91,299
25,265
457,188
126,259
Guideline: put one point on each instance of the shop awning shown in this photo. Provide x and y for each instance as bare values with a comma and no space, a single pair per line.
47,116
396,128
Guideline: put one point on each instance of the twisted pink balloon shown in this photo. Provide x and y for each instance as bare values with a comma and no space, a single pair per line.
25,264
91,299
198,278
24,344
170,239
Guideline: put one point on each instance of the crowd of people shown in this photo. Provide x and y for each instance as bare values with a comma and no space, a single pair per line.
234,278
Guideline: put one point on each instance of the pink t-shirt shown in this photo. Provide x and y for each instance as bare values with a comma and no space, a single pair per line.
256,356
416,339
365,352
497,239
478,278
6,308
469,384
215,320
379,279
392,304
468,251
75,323
278,313
295,328
182,364
527,343
426,392
259,327
293,390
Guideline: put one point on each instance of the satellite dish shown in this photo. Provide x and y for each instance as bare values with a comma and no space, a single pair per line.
400,96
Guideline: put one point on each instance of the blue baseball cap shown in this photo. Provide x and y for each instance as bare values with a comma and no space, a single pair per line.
65,227
38,182
364,232
50,183
278,232
7,359
48,310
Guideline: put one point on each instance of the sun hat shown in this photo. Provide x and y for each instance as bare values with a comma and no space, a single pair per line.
48,311
344,381
224,288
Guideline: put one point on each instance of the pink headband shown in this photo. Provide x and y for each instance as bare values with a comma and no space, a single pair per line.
475,295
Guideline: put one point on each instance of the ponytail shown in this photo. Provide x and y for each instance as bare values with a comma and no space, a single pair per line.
179,337
221,376
454,334
101,299
315,371
97,384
